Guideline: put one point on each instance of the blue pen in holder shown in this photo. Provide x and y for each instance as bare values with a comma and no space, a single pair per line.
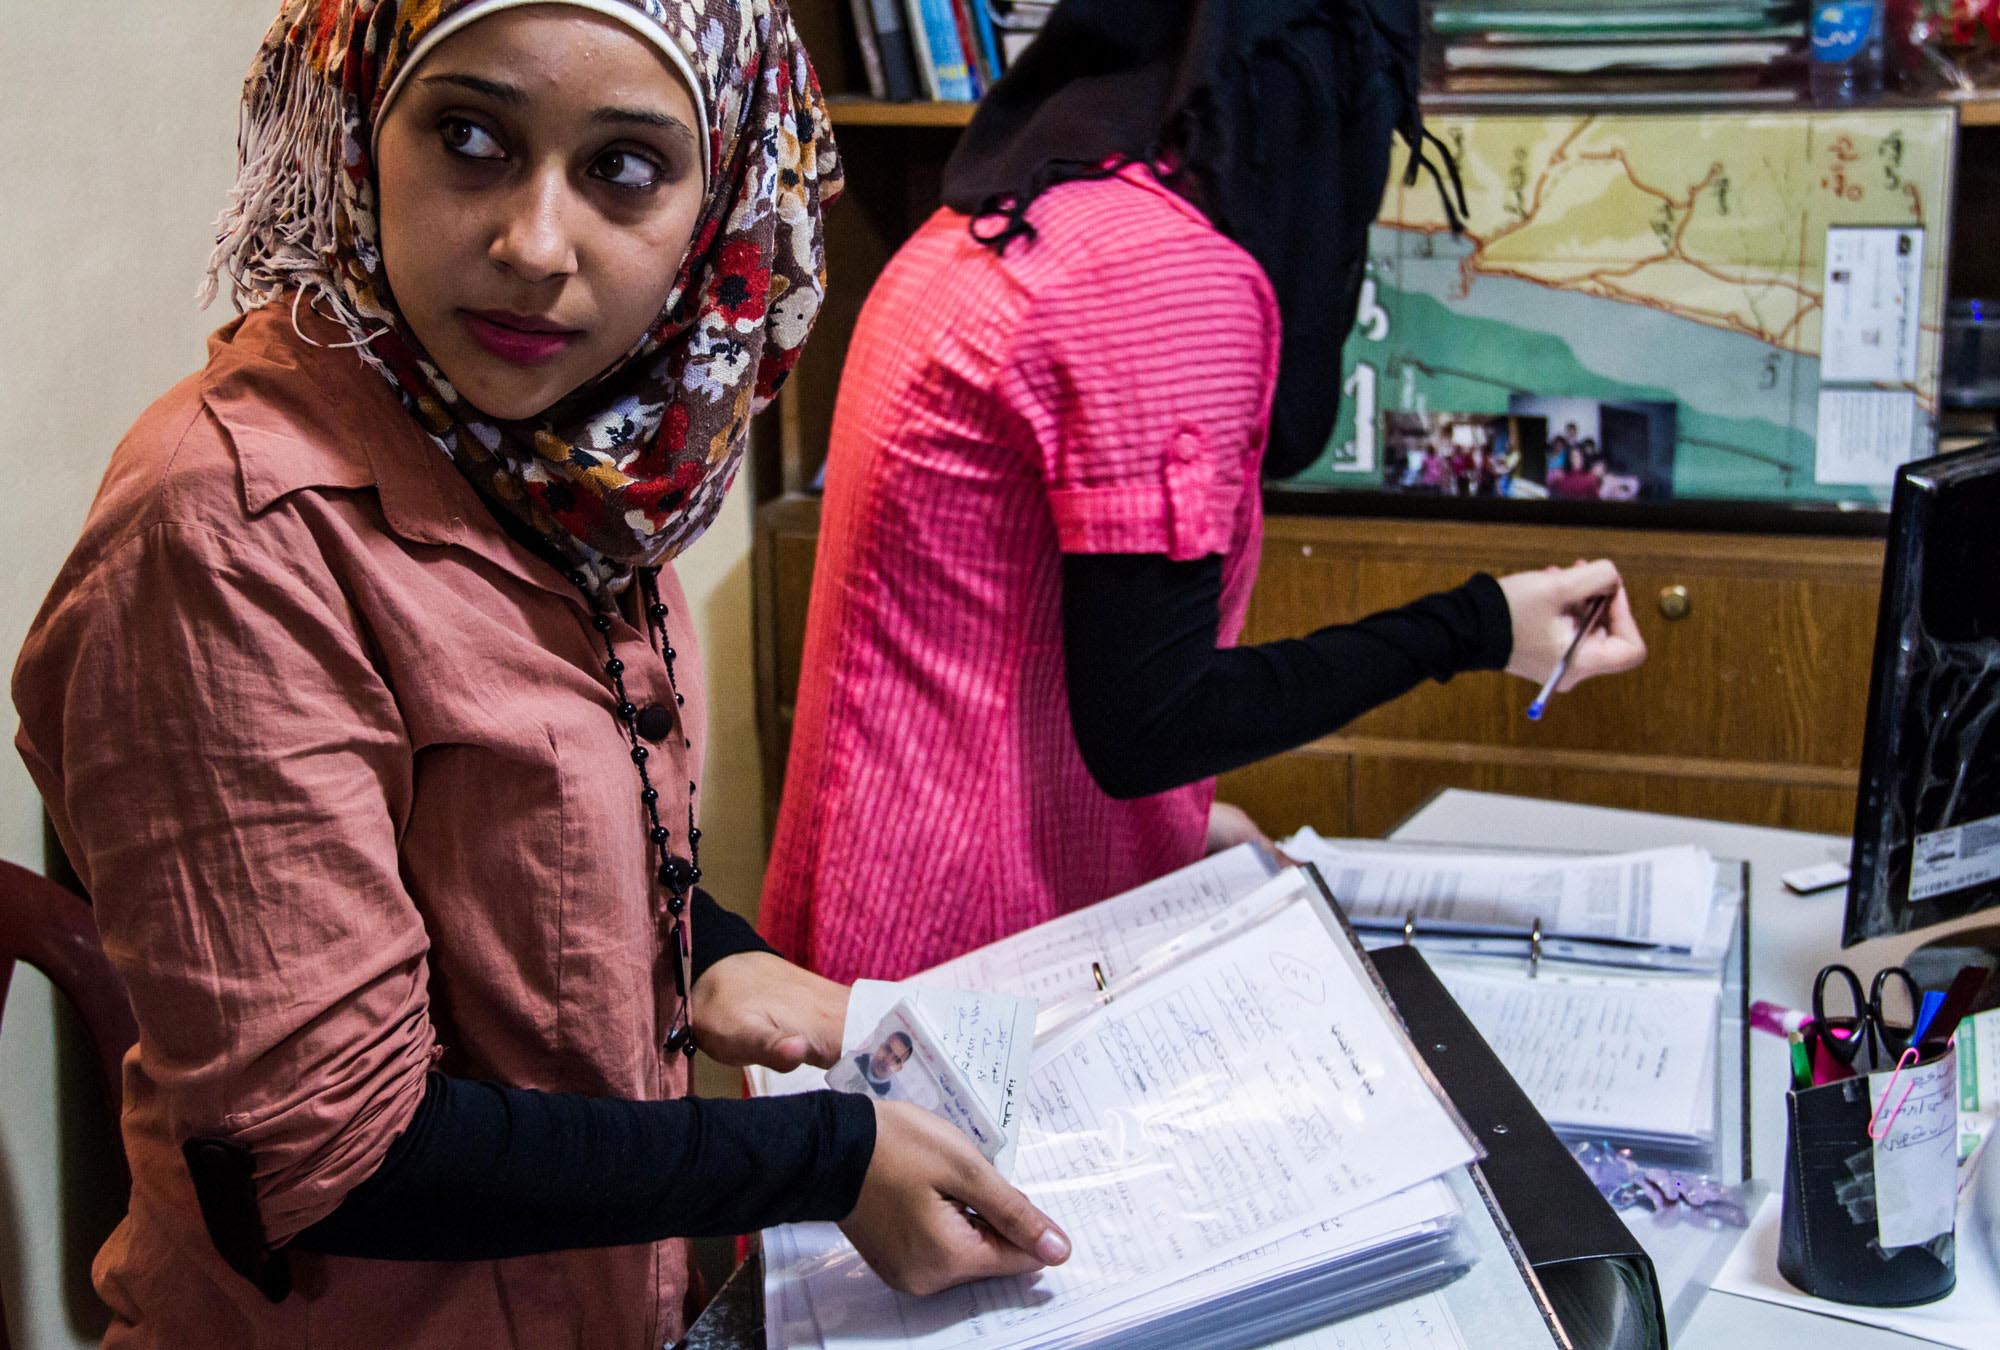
1889,1136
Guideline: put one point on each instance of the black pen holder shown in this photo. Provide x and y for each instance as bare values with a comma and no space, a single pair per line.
1828,1244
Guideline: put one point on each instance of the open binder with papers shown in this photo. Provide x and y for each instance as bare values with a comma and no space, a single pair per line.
1226,1115
1610,985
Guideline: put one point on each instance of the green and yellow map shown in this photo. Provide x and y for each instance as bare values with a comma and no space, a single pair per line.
1641,257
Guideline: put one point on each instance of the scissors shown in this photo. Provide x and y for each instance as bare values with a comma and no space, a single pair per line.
1841,1036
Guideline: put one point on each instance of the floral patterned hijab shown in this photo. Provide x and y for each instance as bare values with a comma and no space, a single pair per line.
630,469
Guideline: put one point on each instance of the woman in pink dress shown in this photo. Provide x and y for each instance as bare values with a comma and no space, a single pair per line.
1042,509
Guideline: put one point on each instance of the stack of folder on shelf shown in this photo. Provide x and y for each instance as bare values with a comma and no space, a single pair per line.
948,50
1018,21
1227,1116
1521,50
1598,979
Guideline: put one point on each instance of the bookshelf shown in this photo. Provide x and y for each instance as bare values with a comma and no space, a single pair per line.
1752,721
857,111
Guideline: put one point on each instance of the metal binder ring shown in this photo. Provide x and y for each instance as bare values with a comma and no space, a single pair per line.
1103,988
1410,929
1535,949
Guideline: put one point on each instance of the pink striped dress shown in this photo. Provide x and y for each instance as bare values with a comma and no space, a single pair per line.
1104,389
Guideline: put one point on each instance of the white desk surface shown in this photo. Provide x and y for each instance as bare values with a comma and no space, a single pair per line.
1791,937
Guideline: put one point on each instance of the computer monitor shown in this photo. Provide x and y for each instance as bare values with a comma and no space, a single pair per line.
1927,816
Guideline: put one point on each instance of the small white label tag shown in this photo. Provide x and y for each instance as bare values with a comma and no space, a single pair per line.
1945,861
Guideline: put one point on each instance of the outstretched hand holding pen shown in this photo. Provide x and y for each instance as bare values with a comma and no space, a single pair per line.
1571,623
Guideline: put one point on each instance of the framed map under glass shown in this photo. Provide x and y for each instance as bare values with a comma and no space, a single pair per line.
1662,316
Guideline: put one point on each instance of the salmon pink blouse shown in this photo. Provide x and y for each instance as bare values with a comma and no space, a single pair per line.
336,761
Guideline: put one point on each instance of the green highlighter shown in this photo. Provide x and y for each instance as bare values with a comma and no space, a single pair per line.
1801,1061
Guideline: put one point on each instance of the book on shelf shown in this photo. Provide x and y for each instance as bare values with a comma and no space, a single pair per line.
941,50
1021,16
975,70
941,59
871,51
991,64
975,34
886,54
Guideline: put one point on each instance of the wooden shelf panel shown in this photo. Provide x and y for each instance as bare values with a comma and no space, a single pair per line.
849,111
868,112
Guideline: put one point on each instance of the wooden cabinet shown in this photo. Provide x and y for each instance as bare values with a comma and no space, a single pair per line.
1750,705
782,562
1749,708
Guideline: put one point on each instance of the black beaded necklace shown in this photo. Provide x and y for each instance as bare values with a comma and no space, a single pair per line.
677,875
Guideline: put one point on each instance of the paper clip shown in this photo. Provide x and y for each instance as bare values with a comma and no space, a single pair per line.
1903,1061
1103,988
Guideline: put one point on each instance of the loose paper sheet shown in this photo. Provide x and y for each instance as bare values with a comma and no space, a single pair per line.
1872,311
1916,1159
1864,435
1968,1317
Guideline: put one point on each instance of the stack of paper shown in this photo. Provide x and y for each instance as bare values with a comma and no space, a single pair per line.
1619,1057
1240,1142
1665,47
1661,908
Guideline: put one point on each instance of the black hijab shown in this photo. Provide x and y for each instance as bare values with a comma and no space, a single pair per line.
1274,117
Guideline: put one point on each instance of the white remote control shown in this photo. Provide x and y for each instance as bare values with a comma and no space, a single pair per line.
1806,880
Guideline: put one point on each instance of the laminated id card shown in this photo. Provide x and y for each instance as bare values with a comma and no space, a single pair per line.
902,1059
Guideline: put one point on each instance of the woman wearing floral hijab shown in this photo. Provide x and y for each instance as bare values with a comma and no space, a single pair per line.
369,710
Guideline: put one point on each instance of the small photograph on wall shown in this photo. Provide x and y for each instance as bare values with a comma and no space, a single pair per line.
1579,449
1452,455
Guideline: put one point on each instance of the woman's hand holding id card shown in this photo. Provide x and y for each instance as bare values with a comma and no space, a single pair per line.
961,1056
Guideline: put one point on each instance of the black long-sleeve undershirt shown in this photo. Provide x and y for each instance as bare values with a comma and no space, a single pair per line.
1156,705
486,1171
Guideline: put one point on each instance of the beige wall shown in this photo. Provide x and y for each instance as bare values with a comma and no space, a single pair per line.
117,143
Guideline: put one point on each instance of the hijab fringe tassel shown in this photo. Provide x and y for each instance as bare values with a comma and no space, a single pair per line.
277,231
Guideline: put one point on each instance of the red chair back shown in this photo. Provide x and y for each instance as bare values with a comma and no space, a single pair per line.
52,930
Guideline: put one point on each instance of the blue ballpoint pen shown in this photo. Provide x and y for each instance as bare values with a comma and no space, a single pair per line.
1922,1022
1562,666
